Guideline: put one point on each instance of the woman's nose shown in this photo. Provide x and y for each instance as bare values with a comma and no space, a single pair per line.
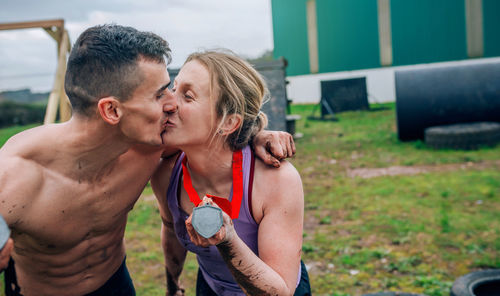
170,105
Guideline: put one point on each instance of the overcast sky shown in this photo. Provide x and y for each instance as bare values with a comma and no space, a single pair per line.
28,57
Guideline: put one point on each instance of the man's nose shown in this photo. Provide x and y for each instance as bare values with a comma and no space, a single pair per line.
170,105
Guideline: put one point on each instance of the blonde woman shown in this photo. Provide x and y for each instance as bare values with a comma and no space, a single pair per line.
257,251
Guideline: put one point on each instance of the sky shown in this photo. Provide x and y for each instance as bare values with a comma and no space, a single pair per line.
28,57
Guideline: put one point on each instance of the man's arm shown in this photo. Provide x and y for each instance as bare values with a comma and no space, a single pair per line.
174,253
273,146
7,207
21,180
270,146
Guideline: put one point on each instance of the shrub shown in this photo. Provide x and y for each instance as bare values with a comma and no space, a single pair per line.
12,113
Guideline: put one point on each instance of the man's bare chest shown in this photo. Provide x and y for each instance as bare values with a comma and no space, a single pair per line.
66,211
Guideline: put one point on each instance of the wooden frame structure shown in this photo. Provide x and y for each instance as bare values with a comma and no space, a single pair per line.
57,97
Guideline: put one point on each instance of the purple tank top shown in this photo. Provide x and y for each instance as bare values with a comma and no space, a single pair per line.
211,264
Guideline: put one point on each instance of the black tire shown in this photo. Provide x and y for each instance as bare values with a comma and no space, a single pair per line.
478,283
465,136
392,294
445,94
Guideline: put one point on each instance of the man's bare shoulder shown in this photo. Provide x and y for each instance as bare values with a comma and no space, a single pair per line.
20,180
20,176
27,142
18,169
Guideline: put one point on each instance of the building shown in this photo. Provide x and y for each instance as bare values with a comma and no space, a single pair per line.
333,39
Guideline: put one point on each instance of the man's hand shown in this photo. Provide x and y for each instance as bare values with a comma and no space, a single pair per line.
179,292
5,254
273,146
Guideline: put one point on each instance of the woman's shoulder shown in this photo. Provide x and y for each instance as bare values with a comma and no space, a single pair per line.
279,183
284,174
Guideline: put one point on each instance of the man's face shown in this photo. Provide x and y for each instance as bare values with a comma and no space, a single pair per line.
146,112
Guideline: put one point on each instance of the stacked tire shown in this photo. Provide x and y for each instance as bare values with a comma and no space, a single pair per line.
466,136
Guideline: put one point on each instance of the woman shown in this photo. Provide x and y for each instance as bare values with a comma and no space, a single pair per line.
257,250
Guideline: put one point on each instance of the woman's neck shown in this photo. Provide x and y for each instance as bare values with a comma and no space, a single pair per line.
211,170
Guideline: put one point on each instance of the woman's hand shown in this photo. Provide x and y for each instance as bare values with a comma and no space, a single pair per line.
225,233
273,146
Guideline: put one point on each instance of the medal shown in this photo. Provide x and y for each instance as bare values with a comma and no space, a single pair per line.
207,220
4,232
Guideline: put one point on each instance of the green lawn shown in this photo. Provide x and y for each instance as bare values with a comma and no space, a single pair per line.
413,233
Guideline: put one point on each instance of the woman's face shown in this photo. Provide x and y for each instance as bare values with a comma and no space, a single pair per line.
195,121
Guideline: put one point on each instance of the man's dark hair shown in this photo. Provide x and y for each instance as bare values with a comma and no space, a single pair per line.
104,62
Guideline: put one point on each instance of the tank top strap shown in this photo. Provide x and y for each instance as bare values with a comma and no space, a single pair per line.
172,196
246,207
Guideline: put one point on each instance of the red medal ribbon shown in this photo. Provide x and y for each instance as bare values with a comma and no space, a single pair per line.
232,208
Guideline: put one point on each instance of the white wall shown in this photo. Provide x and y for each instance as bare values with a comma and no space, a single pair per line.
380,85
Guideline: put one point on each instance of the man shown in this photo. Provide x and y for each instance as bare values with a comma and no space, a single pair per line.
66,189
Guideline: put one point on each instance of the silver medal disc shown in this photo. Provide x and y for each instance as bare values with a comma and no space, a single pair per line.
207,220
4,232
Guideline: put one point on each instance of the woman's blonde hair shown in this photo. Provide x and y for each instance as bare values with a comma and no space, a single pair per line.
237,89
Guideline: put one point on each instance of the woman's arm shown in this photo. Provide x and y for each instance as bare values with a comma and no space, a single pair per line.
275,271
174,253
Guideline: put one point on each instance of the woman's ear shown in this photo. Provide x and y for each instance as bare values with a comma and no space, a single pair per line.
110,110
231,124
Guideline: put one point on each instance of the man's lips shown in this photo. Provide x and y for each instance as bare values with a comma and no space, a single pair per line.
166,125
169,123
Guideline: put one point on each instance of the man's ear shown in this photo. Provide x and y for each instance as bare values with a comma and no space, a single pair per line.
231,124
110,110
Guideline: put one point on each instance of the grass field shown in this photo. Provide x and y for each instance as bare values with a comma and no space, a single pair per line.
413,233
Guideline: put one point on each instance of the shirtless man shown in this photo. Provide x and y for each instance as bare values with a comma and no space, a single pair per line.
66,189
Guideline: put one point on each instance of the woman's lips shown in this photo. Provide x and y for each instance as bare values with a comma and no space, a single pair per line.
169,124
166,124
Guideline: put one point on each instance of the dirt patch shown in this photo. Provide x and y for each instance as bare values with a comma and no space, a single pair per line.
367,173
316,268
149,198
310,222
